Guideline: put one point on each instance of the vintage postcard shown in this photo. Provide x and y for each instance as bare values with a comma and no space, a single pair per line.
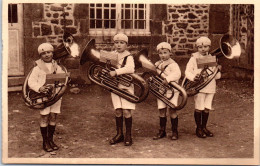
130,82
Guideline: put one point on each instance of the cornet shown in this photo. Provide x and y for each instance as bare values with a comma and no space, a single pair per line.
230,48
157,87
102,64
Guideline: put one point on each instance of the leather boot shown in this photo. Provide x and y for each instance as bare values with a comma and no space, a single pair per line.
162,132
128,135
205,116
45,143
51,130
174,128
119,129
199,132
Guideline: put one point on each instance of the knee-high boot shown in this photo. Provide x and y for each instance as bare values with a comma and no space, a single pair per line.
162,133
128,135
119,129
174,128
51,130
205,116
199,132
45,145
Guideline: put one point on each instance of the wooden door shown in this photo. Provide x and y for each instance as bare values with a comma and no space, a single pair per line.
15,40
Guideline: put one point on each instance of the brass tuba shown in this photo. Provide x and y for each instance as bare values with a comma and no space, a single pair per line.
157,87
102,63
230,48
57,83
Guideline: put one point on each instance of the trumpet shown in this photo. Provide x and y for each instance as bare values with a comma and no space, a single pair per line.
156,85
98,73
230,48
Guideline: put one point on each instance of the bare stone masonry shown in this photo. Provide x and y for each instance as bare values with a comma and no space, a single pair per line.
185,23
52,25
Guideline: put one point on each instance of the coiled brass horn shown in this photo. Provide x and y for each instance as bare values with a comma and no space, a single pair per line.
230,48
157,87
57,84
103,63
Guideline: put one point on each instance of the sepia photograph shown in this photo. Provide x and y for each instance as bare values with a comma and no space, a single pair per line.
130,82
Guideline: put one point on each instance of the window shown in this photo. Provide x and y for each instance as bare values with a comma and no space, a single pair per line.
12,13
109,19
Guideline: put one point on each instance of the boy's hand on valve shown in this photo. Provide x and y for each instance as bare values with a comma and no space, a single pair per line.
43,89
112,73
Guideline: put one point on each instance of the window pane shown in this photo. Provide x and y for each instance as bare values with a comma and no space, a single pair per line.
127,24
99,13
99,24
113,23
141,5
92,5
113,14
141,14
92,23
106,24
99,5
106,14
141,24
92,13
127,5
113,5
12,13
135,14
106,5
127,14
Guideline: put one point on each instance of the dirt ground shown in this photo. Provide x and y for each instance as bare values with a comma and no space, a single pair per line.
87,123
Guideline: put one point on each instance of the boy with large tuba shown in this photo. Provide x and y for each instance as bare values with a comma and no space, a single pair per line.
203,100
37,82
169,70
122,107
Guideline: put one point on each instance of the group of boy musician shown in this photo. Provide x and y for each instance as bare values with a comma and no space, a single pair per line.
169,71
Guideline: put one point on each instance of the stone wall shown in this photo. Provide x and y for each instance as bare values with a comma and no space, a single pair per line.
184,24
52,25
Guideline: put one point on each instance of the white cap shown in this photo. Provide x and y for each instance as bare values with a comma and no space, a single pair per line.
164,45
203,41
45,47
121,36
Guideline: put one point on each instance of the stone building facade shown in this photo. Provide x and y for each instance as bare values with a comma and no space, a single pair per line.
180,25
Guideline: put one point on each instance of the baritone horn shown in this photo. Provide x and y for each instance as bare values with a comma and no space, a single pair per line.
230,48
102,63
157,87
